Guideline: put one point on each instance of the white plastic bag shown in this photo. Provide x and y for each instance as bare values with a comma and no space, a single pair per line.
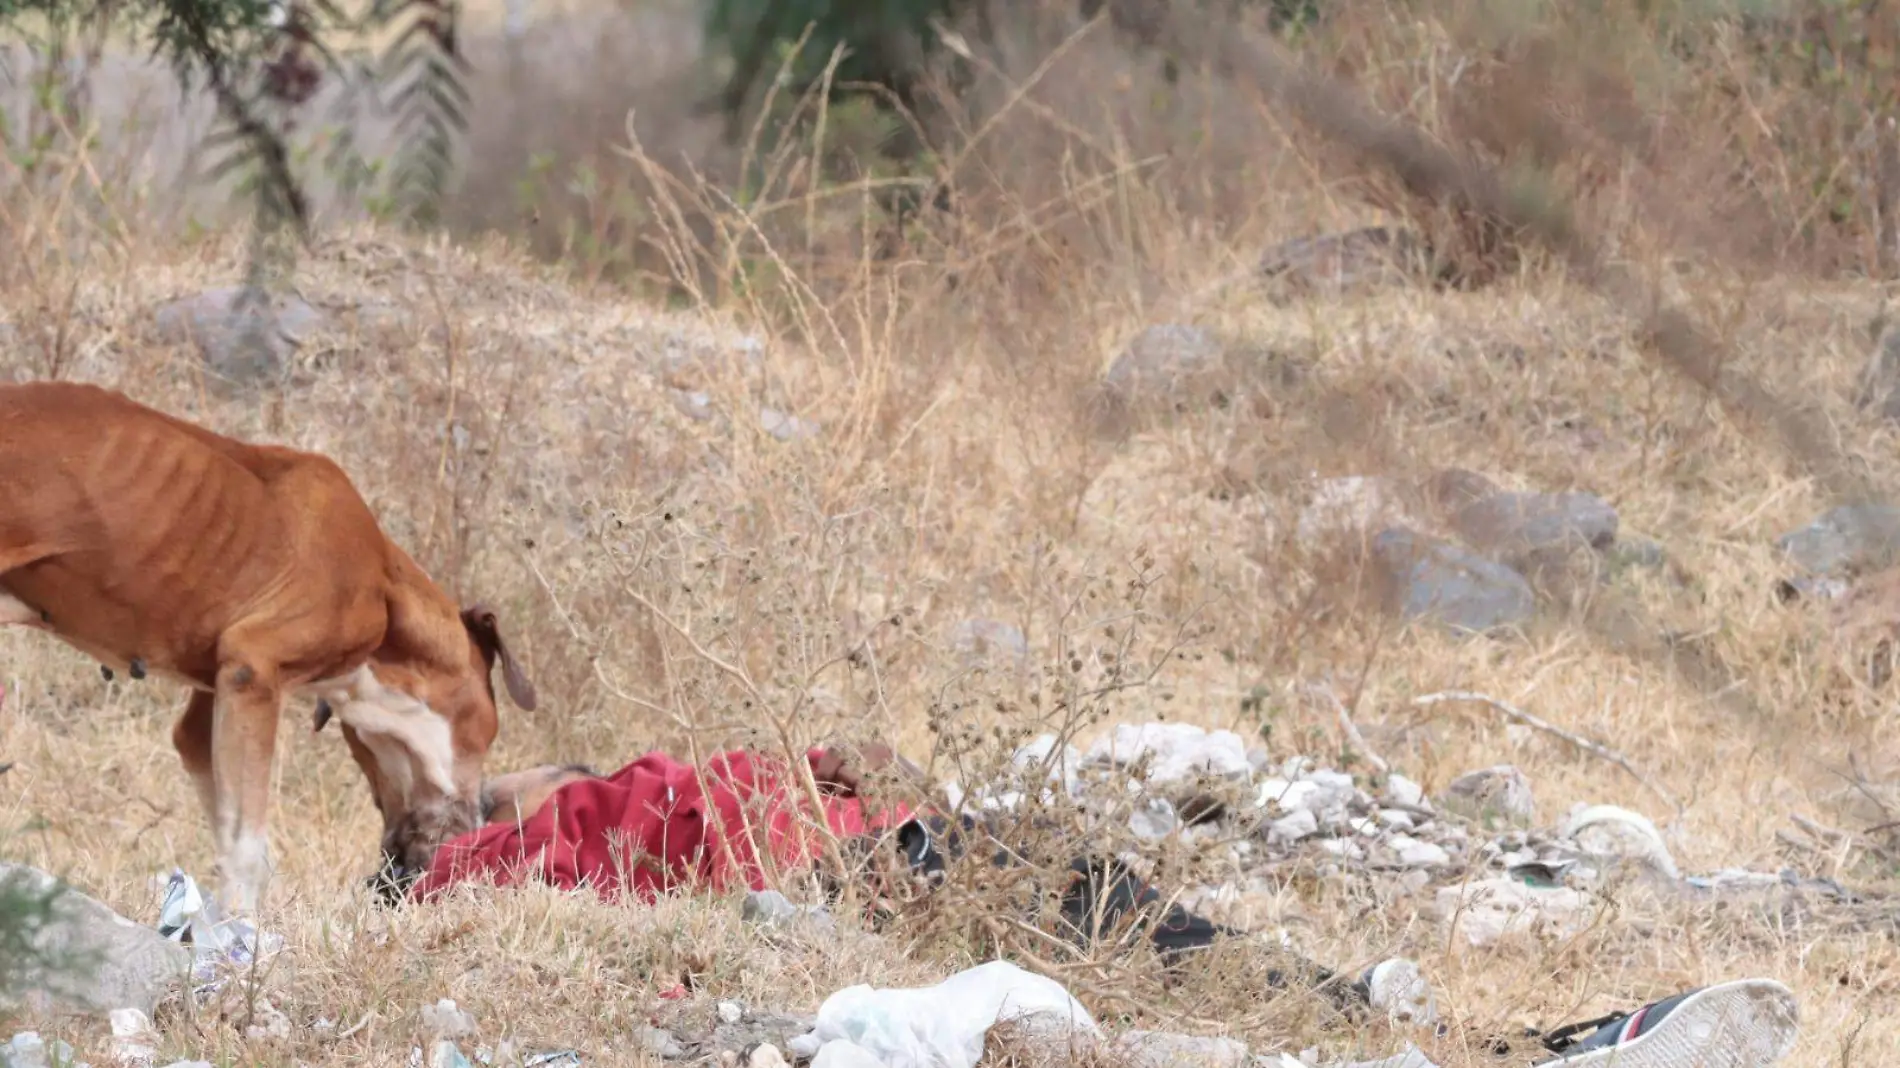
941,1026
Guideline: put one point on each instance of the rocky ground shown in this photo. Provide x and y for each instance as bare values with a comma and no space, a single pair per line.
1378,621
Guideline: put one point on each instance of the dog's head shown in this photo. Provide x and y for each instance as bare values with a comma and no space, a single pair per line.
421,730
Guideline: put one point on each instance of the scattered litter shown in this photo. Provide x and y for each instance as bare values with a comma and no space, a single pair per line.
559,1058
843,1053
186,916
942,1026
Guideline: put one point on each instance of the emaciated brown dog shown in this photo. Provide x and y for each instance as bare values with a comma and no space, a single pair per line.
249,573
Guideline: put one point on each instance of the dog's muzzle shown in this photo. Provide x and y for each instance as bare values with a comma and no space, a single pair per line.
392,881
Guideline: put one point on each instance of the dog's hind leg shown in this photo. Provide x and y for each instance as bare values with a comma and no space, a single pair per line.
192,736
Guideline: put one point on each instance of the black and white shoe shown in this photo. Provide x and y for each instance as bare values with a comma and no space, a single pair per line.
1749,1023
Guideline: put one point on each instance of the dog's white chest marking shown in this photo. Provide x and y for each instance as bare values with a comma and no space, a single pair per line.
411,742
14,612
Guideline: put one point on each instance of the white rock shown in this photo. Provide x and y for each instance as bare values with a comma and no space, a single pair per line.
1398,987
1272,790
1344,848
1412,1057
731,1012
1416,854
766,1055
1336,781
445,1020
1295,826
1400,790
1154,820
1349,507
1397,819
134,1041
1176,751
1490,909
1040,753
1164,1049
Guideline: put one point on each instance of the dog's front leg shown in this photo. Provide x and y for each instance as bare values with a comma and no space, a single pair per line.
243,746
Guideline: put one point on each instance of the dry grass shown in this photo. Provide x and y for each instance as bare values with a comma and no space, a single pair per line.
517,429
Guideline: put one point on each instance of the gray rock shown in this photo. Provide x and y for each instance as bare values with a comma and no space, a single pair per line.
1852,537
1403,791
1451,586
693,404
1349,260
990,640
28,1050
769,908
1500,792
244,334
754,1028
661,1044
1414,853
1154,820
1629,553
1295,826
786,427
1164,353
122,965
1516,523
1809,587
1452,488
1164,1049
1879,390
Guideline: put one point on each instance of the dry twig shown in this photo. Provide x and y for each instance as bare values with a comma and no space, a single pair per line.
1512,712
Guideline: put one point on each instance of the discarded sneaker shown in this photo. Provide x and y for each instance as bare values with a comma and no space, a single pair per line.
1750,1023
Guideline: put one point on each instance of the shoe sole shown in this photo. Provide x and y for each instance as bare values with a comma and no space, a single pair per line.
1750,1023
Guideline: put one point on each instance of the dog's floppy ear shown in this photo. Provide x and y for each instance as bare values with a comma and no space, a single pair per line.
482,626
